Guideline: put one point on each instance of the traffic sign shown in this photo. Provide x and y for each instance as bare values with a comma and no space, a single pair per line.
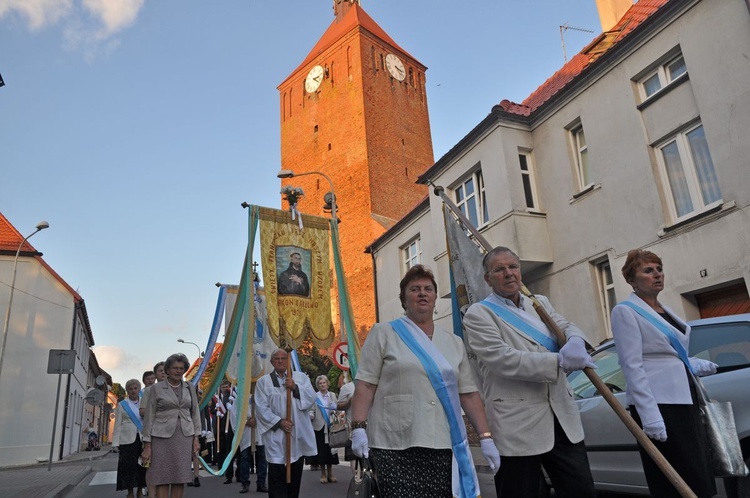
340,355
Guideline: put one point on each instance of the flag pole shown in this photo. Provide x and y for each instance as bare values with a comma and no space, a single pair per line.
609,397
288,434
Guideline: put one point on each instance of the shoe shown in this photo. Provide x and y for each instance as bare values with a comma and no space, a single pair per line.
323,480
245,488
262,488
332,479
196,482
252,471
228,480
190,484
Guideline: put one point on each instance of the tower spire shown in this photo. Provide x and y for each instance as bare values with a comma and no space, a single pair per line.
341,7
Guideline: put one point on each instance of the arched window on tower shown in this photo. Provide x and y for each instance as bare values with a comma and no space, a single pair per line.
349,62
372,55
411,77
330,75
283,106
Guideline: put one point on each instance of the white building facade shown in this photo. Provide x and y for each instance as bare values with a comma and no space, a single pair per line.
639,141
46,314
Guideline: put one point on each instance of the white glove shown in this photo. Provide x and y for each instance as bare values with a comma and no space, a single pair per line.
702,367
573,355
360,444
656,430
489,450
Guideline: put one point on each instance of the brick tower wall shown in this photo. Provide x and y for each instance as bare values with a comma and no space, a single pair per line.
372,140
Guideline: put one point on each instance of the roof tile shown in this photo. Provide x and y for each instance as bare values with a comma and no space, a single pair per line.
637,14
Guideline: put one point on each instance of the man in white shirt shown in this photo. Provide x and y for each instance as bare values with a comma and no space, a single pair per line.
274,423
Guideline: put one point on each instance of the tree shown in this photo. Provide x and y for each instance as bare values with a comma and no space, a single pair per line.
119,391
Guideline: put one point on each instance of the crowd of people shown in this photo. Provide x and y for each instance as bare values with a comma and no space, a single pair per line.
414,384
414,380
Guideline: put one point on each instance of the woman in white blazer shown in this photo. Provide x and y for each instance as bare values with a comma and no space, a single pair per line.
652,344
127,438
171,428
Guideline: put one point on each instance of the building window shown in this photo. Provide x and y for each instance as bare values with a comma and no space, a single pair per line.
581,155
607,298
471,199
412,254
690,176
662,76
527,178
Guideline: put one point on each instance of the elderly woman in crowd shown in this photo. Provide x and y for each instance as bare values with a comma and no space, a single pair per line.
127,438
325,404
652,343
413,380
171,430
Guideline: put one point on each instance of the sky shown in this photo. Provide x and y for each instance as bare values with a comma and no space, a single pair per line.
136,128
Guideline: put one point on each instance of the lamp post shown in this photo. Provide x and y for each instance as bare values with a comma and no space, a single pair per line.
183,341
39,227
287,173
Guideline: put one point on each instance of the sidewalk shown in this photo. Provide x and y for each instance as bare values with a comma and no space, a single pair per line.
35,481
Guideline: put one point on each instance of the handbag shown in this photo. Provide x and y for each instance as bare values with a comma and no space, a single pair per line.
338,435
363,483
721,433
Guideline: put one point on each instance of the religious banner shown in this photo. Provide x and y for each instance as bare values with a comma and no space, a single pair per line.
296,277
262,344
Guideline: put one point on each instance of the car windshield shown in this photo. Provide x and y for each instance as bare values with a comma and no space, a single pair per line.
607,368
727,344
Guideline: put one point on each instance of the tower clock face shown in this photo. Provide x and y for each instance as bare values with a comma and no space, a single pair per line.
395,67
314,79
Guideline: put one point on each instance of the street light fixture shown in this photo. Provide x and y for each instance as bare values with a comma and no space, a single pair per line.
287,173
39,227
183,341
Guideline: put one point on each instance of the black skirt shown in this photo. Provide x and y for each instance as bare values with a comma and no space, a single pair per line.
325,457
413,473
686,449
129,474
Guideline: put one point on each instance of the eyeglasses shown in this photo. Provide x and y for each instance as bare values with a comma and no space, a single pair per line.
503,269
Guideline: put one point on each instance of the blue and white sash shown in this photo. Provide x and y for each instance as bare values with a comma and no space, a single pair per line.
663,327
443,380
128,408
324,410
521,322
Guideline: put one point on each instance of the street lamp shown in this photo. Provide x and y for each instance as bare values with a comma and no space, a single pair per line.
39,227
183,341
287,173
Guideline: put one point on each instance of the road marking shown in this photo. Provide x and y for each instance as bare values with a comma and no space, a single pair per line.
100,478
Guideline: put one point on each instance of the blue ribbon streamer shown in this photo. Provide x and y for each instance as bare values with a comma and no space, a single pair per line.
457,428
525,328
665,329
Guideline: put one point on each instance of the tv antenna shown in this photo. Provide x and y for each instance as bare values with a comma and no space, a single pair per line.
563,29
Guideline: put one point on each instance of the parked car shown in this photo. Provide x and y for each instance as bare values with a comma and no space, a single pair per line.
612,451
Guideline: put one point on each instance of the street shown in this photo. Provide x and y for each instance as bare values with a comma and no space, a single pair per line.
101,482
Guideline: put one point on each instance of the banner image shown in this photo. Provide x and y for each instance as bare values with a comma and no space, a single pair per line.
262,344
297,277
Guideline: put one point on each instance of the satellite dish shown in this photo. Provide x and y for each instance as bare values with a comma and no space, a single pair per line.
100,380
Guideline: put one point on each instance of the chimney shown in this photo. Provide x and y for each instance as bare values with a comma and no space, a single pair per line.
611,11
341,7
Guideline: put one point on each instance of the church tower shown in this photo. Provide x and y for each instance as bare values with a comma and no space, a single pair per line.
356,110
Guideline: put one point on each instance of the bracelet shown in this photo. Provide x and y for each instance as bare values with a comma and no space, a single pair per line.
358,424
485,435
